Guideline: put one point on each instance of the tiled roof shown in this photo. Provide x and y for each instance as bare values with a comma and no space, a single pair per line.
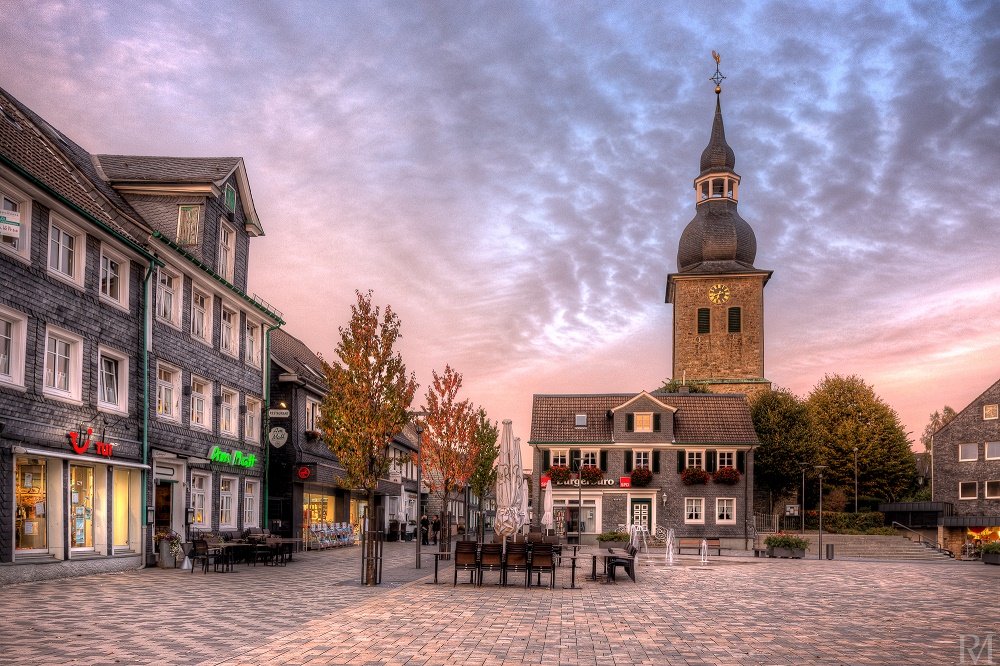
700,417
292,353
140,168
63,166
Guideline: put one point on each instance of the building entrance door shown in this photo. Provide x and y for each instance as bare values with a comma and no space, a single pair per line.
641,512
163,506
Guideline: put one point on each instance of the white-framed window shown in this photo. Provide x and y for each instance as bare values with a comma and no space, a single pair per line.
644,422
727,459
968,490
991,412
201,402
580,421
227,336
227,502
640,459
695,459
993,450
312,414
694,510
114,277
201,499
188,221
63,364
725,511
560,457
251,420
13,327
227,412
250,495
168,296
17,209
968,452
112,380
201,314
252,344
67,250
168,392
227,251
590,458
993,490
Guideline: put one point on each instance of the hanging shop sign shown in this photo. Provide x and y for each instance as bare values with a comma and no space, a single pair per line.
576,482
235,458
625,481
278,413
102,448
305,470
277,437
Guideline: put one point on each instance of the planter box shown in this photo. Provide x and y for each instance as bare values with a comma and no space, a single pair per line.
793,553
991,558
613,544
166,560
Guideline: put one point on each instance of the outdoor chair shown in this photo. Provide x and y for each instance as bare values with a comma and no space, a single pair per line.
277,551
201,553
466,560
626,562
491,559
542,560
516,560
534,537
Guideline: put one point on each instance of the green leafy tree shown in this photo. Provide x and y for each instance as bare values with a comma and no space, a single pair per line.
367,401
846,413
936,421
784,427
674,385
484,475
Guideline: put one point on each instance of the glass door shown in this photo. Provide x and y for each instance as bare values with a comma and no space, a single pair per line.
163,503
29,498
122,497
81,507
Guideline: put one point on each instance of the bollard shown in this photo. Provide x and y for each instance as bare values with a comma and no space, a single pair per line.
829,551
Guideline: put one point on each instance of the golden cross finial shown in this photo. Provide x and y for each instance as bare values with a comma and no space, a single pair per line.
717,77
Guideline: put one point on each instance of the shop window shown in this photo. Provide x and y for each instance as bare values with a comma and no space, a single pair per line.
114,277
121,522
15,236
227,503
251,421
694,510
725,511
67,250
81,507
201,403
250,504
201,315
31,505
201,499
168,382
968,452
63,364
112,381
227,413
13,325
968,490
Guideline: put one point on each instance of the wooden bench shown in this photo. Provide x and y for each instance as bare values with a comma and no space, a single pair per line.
695,544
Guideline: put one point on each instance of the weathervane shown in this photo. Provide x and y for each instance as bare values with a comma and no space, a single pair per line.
717,77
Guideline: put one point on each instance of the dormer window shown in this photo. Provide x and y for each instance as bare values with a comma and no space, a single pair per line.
644,422
581,421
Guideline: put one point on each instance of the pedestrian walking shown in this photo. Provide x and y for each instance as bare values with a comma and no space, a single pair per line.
425,526
436,528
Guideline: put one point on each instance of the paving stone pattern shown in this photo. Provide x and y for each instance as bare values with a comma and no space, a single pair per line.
733,611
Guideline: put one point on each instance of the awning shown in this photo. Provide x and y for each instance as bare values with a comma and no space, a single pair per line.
93,459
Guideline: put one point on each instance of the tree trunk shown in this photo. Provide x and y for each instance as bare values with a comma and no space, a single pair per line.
370,541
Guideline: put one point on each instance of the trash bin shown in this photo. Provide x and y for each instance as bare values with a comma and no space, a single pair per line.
829,551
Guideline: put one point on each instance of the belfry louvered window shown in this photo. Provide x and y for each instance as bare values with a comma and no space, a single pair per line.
735,323
704,321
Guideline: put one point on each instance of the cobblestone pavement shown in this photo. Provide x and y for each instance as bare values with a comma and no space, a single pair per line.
732,611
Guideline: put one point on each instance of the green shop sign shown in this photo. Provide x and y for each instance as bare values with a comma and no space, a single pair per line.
234,458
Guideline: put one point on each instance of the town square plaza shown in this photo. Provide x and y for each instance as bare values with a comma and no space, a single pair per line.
734,610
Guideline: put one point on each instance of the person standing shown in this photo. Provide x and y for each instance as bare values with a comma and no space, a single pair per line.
436,528
425,526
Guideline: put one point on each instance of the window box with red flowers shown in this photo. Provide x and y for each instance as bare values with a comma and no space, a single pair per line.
559,473
694,475
591,474
729,476
641,477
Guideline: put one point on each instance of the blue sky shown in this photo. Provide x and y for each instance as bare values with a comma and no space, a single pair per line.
513,177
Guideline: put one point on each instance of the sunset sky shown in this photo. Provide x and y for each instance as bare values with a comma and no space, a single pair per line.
513,177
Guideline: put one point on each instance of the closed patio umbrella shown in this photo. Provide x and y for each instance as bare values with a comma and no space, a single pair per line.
547,519
510,484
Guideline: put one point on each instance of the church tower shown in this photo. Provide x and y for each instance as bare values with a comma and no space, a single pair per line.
717,293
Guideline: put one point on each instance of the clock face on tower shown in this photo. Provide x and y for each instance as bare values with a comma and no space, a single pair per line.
719,293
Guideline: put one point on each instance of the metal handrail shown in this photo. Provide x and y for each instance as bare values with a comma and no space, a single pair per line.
921,539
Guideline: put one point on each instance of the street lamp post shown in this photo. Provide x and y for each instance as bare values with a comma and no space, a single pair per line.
802,497
819,471
855,479
418,537
579,501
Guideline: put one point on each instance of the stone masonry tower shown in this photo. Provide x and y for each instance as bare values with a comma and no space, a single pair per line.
717,294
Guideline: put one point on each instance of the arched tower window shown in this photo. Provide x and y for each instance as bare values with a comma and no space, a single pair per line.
718,188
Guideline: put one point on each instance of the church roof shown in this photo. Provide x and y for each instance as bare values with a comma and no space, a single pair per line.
717,156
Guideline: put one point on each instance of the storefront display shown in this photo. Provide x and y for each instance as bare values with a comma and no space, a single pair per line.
81,482
30,498
122,508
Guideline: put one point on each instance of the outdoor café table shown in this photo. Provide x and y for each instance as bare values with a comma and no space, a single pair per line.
293,542
572,573
438,556
604,555
228,550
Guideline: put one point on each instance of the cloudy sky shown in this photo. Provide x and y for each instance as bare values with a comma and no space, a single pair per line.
513,177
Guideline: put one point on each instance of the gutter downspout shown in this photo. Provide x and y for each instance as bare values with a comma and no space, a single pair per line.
265,436
145,403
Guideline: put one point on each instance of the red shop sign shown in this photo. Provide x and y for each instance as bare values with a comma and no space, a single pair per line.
304,472
102,448
625,481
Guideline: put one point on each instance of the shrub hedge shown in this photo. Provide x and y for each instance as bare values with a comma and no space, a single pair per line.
842,522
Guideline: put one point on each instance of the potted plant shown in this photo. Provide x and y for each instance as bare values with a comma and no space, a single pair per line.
786,545
694,475
170,546
591,474
613,539
641,477
312,435
991,552
726,475
559,473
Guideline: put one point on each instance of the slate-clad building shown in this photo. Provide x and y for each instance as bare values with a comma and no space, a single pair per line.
665,433
72,318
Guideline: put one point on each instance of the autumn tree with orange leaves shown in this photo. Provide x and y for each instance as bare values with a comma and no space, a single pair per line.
367,402
449,448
